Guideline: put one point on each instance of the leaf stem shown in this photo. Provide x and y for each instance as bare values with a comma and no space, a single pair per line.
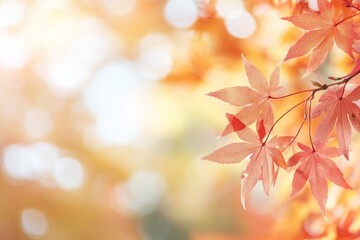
292,94
347,77
301,126
345,19
283,115
310,138
344,80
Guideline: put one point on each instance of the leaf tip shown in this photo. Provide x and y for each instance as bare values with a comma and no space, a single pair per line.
243,202
286,58
292,195
245,61
285,18
347,186
211,94
324,215
218,137
204,158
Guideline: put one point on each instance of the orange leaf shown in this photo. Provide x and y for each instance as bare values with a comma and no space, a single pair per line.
323,30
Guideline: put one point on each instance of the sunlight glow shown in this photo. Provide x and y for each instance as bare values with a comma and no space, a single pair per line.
69,173
90,48
119,7
33,223
111,98
13,51
225,8
11,12
34,162
66,75
315,227
181,13
67,68
52,5
240,24
141,193
155,58
38,122
42,162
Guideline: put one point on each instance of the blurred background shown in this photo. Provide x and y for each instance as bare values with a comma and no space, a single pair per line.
104,118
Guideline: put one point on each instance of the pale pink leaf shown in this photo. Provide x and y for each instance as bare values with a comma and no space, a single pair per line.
238,96
295,159
325,9
256,79
277,157
344,37
320,53
248,135
354,116
231,153
316,166
250,177
354,95
300,177
308,21
274,79
332,172
267,175
343,131
318,186
329,152
281,142
326,125
305,44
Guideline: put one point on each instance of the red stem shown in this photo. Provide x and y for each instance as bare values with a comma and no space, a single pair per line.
311,141
301,126
295,93
289,110
345,19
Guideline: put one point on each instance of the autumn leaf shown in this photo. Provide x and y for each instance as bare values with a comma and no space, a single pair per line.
339,111
324,28
254,99
263,158
316,166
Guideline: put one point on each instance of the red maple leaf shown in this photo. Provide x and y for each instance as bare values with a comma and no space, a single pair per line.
254,99
338,110
264,156
315,166
324,29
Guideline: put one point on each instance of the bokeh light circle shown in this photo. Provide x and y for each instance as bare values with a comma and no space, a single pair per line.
181,13
240,24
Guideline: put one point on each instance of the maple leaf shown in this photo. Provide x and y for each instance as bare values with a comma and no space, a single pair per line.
339,111
264,157
254,99
315,166
324,29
